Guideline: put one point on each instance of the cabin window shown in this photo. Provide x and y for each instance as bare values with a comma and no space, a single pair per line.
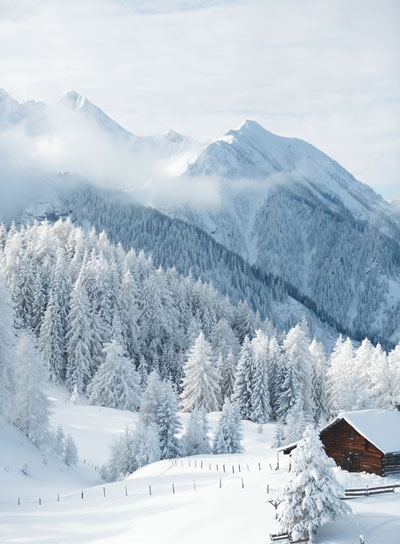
351,434
366,445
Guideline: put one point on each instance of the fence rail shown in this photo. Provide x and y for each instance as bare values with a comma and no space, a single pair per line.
365,491
285,538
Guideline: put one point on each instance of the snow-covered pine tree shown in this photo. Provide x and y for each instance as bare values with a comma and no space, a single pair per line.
380,380
312,496
228,435
120,463
227,370
78,338
151,399
260,405
200,384
52,329
7,354
318,379
70,452
32,412
244,382
297,382
196,437
343,385
168,423
145,445
276,373
116,384
296,422
393,361
223,339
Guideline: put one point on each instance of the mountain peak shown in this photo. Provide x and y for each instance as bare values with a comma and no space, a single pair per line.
77,102
249,128
73,99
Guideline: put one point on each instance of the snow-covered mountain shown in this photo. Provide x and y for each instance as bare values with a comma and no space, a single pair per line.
12,113
292,211
285,207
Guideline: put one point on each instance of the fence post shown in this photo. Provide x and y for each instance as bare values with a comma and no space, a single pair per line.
239,469
267,489
104,491
220,483
19,502
173,489
242,484
259,466
126,491
81,494
150,489
223,468
194,485
40,501
58,497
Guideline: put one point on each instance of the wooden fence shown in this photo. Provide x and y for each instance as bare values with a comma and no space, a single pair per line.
366,491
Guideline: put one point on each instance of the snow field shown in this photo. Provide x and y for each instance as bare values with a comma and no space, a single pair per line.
200,511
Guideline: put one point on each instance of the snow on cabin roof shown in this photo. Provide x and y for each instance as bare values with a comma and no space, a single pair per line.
380,427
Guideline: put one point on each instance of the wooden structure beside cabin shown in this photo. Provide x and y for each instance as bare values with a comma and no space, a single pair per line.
363,441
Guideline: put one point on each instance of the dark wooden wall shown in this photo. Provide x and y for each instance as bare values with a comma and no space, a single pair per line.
351,450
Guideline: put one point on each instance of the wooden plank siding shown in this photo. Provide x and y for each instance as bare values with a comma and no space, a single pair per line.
351,450
391,463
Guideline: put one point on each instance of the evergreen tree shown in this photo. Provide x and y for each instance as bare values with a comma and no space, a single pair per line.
244,382
196,437
343,385
227,371
312,496
52,330
7,354
297,384
260,405
145,446
32,413
70,452
116,384
296,422
276,373
318,378
168,423
78,339
200,384
151,399
228,435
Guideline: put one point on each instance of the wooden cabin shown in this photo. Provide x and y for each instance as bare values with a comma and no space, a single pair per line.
366,440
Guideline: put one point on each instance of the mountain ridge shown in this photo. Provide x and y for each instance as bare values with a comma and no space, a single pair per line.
286,208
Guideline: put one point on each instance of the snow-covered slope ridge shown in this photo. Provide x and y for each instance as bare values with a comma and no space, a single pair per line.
251,152
291,210
13,113
160,145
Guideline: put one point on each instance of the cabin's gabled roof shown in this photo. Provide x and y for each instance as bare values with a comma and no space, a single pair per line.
380,427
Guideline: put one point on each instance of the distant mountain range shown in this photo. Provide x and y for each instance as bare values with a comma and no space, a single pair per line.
304,231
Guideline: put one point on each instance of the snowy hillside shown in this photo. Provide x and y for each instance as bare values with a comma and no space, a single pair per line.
209,504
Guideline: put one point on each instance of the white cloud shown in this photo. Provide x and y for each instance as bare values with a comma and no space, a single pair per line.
325,71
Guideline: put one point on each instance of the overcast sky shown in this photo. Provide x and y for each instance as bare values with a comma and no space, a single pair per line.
326,71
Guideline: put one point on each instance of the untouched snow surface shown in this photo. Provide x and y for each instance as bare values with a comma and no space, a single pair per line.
208,505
